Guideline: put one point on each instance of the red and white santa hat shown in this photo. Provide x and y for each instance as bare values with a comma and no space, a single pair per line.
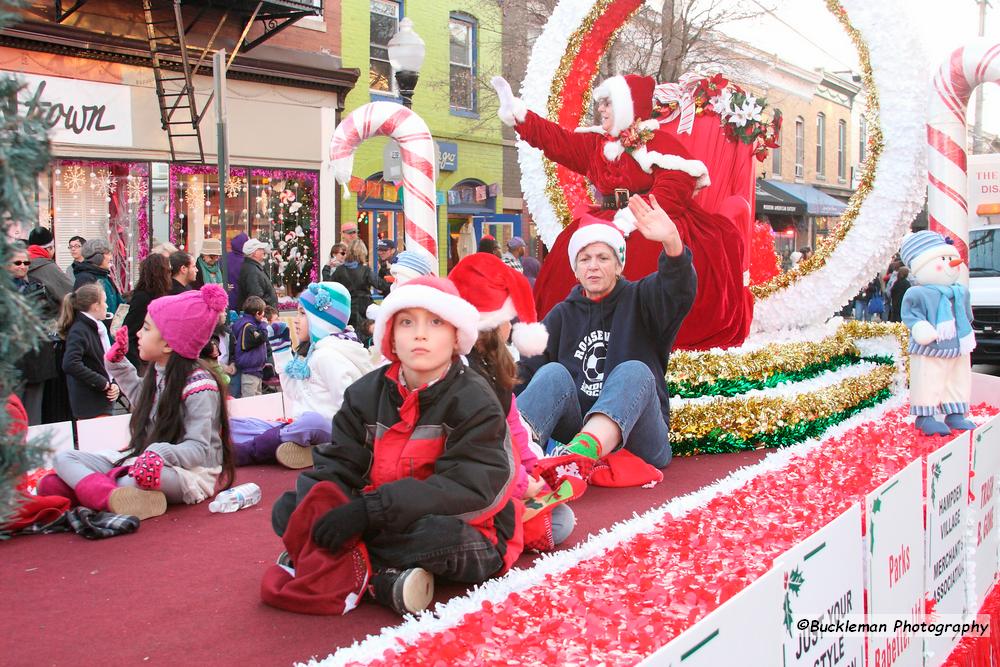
596,230
631,99
439,296
500,294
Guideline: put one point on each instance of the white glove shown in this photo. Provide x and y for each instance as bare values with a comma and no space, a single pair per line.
924,333
512,109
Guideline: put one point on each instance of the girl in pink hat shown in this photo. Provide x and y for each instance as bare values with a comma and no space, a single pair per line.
179,447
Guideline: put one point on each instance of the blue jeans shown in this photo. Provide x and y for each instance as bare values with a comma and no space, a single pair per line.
551,407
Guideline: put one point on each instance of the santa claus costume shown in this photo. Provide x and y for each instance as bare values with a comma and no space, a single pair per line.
638,157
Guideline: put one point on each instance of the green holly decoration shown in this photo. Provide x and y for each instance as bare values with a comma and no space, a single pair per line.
795,581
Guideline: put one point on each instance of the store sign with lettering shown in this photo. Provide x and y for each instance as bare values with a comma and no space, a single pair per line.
78,112
983,505
947,509
823,594
894,548
447,155
730,633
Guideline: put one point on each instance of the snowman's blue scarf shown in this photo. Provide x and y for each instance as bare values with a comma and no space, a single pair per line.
952,318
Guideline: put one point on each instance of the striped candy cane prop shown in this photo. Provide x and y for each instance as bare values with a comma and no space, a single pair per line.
947,178
417,146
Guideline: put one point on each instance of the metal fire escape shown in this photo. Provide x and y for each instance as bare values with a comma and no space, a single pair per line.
176,62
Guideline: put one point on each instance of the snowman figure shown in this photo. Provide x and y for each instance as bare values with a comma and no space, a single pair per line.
937,312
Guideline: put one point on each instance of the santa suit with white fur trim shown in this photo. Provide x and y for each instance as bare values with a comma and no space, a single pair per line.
723,308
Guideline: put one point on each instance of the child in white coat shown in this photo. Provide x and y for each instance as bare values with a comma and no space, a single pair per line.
329,358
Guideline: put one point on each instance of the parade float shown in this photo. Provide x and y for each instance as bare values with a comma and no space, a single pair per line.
829,527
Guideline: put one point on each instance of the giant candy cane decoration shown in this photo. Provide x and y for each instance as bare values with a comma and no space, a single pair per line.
947,179
417,146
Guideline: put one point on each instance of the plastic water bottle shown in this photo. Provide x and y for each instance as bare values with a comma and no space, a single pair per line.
236,498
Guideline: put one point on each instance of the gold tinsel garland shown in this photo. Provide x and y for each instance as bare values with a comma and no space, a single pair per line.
746,417
552,189
698,367
825,247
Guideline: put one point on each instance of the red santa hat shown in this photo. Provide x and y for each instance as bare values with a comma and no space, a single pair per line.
631,98
439,296
596,230
500,294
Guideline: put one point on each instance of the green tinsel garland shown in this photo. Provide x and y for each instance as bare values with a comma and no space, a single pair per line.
24,153
735,387
721,442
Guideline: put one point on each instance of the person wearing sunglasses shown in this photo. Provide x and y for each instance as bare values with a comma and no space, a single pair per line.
41,250
338,254
36,366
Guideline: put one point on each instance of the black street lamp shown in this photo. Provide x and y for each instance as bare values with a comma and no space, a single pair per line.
406,56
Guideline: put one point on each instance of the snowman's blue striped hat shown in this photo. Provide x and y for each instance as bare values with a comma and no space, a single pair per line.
921,246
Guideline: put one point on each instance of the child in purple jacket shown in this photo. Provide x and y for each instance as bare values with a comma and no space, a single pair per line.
250,332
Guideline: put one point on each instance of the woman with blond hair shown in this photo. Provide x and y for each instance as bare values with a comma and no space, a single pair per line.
359,279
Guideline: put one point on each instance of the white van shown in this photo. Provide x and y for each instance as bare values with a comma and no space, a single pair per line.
984,289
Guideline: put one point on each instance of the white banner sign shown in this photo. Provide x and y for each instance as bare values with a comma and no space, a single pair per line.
947,507
894,549
736,633
823,581
78,112
985,538
984,191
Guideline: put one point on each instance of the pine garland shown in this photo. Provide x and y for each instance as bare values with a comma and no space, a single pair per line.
737,386
718,441
24,153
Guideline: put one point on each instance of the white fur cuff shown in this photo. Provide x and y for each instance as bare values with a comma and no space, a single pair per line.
625,221
516,114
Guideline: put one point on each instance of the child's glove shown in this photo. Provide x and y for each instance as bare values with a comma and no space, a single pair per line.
336,527
146,470
117,351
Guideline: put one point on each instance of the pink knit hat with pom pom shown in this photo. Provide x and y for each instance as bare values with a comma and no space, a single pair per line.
186,321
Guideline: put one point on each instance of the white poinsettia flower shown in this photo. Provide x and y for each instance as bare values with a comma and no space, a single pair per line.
295,207
299,232
751,109
722,103
738,117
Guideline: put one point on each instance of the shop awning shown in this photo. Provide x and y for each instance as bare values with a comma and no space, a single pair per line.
816,201
772,201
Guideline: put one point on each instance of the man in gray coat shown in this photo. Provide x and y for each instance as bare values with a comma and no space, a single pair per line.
253,281
41,249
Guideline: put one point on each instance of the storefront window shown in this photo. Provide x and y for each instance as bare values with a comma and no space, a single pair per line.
286,215
194,205
99,199
274,205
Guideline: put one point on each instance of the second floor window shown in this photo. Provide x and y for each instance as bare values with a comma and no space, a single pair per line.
462,48
776,154
384,24
842,149
820,145
800,147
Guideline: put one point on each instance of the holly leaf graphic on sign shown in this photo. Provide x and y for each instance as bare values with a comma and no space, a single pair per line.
795,581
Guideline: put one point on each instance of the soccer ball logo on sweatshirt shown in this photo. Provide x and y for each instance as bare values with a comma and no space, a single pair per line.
592,352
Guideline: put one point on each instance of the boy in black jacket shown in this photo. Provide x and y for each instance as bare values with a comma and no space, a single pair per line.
421,449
